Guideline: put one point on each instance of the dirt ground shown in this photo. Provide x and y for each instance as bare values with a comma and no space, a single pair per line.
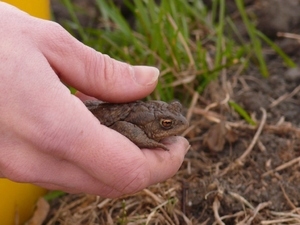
234,173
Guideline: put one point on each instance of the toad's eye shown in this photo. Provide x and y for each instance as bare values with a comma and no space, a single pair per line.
166,123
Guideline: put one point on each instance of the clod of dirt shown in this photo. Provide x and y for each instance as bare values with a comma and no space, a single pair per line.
277,16
253,101
292,74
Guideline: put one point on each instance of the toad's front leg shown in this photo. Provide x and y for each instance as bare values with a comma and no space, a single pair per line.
136,135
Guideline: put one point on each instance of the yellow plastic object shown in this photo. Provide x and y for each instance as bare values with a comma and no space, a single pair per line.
37,8
17,200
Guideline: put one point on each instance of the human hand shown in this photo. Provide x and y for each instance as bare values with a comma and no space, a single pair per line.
48,137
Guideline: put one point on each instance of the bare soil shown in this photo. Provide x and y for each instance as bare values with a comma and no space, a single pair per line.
234,173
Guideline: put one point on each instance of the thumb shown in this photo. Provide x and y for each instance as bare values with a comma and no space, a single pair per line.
91,72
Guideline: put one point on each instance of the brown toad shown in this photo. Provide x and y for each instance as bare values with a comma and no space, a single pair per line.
144,123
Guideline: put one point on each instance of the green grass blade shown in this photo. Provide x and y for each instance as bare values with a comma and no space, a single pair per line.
53,195
287,60
241,112
76,23
255,41
220,33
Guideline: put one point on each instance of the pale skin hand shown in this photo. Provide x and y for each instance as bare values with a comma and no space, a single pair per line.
47,136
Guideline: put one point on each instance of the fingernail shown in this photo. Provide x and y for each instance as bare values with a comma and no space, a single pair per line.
145,75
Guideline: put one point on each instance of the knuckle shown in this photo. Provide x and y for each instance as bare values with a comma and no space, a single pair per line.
100,70
105,72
